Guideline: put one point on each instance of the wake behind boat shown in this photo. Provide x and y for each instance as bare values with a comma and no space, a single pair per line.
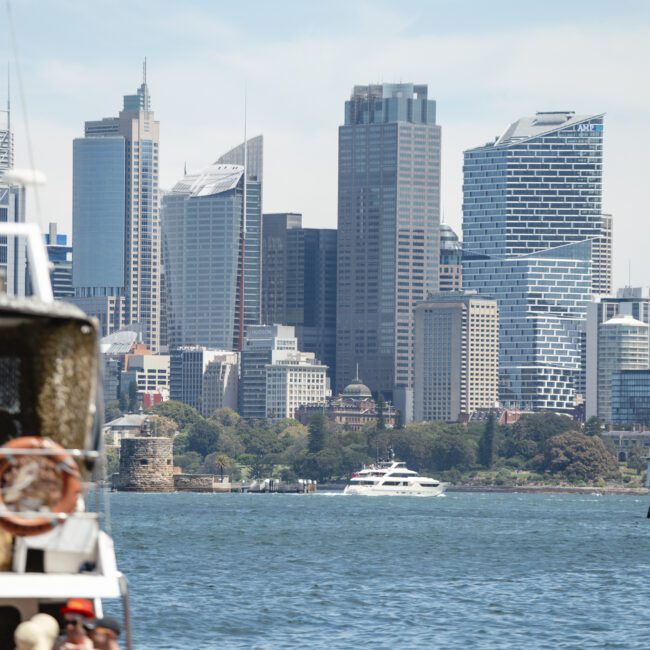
393,478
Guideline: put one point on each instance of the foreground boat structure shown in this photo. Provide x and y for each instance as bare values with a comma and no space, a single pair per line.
52,547
393,478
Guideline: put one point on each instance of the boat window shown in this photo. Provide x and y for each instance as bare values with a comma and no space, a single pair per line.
402,475
429,484
365,482
391,483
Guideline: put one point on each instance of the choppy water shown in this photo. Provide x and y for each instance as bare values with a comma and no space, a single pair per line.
463,571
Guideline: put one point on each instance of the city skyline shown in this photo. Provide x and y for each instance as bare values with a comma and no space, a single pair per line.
472,103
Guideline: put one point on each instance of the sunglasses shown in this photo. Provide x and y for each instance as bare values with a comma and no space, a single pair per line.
74,618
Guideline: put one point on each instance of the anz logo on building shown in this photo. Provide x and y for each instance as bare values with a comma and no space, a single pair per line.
590,128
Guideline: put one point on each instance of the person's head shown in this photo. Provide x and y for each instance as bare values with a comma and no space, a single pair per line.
76,612
48,626
104,633
28,636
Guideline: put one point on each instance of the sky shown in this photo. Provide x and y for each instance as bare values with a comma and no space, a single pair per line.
486,64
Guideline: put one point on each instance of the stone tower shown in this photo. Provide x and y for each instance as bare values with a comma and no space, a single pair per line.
146,465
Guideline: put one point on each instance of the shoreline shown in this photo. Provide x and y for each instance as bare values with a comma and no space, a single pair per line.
559,489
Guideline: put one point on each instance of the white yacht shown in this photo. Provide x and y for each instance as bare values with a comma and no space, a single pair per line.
392,478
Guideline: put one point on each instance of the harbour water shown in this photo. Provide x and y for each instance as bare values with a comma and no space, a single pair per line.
334,571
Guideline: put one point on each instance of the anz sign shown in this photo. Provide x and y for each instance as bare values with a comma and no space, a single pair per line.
590,128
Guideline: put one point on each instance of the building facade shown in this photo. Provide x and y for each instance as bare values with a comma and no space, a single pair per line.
299,286
388,218
532,208
451,260
632,301
601,273
220,384
116,221
59,254
623,344
456,356
631,398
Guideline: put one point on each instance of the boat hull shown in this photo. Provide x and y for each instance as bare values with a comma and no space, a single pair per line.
395,491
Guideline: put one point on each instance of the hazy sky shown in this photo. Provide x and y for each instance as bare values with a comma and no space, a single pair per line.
486,64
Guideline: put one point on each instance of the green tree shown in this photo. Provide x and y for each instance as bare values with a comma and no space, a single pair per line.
203,437
451,451
123,403
637,459
183,414
579,457
226,417
317,436
162,426
486,443
189,462
134,398
530,433
381,405
112,410
593,426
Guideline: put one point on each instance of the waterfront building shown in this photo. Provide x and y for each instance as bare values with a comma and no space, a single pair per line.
451,260
192,378
531,210
633,301
388,218
59,254
354,409
625,441
623,344
456,356
299,282
208,239
601,250
631,398
115,217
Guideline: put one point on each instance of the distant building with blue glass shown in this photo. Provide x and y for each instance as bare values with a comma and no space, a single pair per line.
631,398
59,254
532,206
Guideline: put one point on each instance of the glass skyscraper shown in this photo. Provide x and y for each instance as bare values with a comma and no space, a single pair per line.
388,218
116,221
531,210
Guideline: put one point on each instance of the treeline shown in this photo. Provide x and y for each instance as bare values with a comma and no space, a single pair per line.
545,446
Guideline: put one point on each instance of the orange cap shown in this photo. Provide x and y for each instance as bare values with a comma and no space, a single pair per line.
79,606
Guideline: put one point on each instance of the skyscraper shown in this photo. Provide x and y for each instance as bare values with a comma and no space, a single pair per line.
12,209
299,283
59,254
531,210
116,223
203,221
601,272
456,355
388,218
451,260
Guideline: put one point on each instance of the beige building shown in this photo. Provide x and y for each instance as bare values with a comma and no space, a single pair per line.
601,255
220,383
456,356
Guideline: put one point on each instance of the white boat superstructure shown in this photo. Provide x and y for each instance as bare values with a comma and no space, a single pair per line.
395,479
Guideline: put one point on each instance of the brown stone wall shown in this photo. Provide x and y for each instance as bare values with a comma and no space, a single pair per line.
146,465
194,482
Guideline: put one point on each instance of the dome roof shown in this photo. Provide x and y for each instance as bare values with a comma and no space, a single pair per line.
357,390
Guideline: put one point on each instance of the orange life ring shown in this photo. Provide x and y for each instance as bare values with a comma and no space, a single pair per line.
23,526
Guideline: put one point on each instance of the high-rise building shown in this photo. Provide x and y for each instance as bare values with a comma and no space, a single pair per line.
388,218
631,398
623,344
456,356
532,208
451,260
116,223
631,301
601,251
299,282
274,264
13,271
192,377
59,254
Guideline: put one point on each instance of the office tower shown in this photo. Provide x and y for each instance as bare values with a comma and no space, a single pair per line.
150,372
456,355
601,251
631,301
250,156
203,222
60,257
190,368
220,384
116,224
274,265
388,218
623,344
631,398
532,207
451,260
299,283
12,209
